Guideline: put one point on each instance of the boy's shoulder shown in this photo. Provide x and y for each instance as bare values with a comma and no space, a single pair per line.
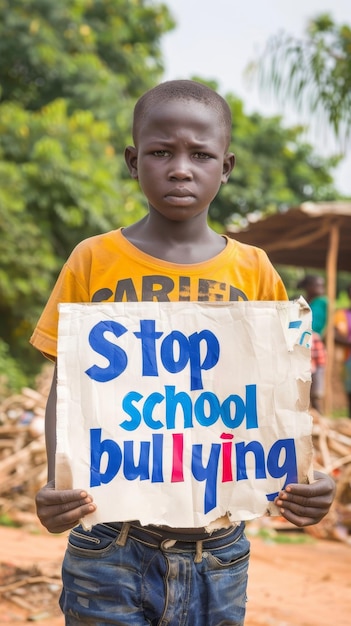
98,248
246,249
99,240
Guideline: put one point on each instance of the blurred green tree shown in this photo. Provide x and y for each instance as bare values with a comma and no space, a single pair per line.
313,73
69,75
275,169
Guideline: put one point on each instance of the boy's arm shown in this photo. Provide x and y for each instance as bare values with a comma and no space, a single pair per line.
58,510
305,505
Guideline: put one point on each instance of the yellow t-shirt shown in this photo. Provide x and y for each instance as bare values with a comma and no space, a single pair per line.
109,268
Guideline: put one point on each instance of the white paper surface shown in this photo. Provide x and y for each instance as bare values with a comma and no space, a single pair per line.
179,413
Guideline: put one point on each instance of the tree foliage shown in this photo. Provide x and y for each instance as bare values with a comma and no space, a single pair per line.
69,74
314,73
275,169
92,52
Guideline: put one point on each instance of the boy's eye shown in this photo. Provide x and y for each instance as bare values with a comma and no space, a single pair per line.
160,153
201,155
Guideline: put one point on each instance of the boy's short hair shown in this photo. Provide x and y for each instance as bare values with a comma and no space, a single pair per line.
182,90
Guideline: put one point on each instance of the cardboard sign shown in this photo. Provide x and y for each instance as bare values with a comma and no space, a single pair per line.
179,413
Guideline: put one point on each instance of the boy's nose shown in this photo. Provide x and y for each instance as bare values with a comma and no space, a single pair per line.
180,169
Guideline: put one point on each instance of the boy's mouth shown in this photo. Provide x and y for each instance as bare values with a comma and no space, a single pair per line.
179,192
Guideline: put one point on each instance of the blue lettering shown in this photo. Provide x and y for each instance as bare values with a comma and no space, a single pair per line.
116,357
213,405
248,408
168,359
172,401
210,359
241,450
97,449
132,471
148,336
207,473
131,410
207,409
174,360
189,350
288,465
157,460
149,405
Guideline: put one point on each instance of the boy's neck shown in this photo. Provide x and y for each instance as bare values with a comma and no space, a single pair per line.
176,242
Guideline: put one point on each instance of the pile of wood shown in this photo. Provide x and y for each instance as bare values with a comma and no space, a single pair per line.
332,455
23,460
22,450
332,445
35,590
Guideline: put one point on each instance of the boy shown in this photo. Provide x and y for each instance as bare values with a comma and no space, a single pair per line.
126,574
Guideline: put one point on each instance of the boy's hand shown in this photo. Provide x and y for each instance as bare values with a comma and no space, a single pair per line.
304,505
61,510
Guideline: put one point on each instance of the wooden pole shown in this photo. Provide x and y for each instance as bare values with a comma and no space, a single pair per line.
331,272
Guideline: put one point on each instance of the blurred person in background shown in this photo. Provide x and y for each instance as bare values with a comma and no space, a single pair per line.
342,336
314,287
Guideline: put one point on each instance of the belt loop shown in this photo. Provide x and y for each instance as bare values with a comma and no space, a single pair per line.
168,543
198,554
123,535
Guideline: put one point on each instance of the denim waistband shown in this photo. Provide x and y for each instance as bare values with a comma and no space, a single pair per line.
164,538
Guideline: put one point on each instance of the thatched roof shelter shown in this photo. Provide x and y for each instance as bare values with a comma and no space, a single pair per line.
301,236
312,235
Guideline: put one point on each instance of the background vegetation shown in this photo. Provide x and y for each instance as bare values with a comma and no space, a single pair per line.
70,73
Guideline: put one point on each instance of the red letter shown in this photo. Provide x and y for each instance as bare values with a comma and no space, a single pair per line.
177,464
227,474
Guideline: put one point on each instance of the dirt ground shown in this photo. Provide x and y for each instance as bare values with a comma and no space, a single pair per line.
294,579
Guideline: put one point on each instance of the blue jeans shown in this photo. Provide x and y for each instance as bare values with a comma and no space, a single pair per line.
131,576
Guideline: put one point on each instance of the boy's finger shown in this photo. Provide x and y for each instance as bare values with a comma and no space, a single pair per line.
51,496
63,517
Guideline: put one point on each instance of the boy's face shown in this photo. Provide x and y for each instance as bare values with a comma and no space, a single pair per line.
180,158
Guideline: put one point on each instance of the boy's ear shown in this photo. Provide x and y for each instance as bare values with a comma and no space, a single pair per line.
131,159
228,166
